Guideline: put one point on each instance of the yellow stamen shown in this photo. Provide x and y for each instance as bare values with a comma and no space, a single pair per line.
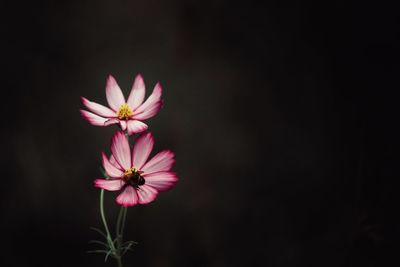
124,112
131,171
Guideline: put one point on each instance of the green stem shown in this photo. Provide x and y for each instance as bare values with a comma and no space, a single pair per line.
119,261
118,230
123,221
109,238
103,217
120,227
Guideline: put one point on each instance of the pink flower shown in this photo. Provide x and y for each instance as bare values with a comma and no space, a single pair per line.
140,180
128,114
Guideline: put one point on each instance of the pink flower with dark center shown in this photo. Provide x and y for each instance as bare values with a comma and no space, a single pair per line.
139,179
128,114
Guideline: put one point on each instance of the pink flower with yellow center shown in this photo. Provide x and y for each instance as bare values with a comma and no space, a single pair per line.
128,114
139,179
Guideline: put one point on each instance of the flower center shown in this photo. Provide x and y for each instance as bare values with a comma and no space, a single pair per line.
124,112
133,177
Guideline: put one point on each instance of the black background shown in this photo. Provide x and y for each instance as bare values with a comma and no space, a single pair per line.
283,116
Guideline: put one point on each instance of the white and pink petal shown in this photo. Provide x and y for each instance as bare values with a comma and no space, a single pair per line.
97,108
135,126
163,161
93,118
153,100
111,170
111,121
110,185
149,112
123,125
137,93
128,197
114,95
114,162
161,181
142,149
146,194
121,151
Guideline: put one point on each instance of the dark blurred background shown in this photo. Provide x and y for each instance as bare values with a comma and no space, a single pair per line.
283,116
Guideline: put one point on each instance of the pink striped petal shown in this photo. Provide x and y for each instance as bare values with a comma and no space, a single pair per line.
134,127
97,108
114,95
153,100
114,162
141,151
110,169
110,185
146,194
93,118
136,95
123,125
163,161
161,181
111,121
128,197
149,112
121,151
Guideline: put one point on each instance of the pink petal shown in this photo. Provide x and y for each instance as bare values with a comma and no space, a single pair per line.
163,161
98,109
114,162
110,169
137,93
93,118
136,127
114,95
146,194
161,181
110,185
123,125
128,197
141,151
149,112
111,121
121,151
151,104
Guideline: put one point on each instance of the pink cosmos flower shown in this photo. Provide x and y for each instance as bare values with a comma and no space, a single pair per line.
128,114
140,180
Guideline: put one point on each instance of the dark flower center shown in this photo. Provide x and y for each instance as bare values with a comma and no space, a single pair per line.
133,177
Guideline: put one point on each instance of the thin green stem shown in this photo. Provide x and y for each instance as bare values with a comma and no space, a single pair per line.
120,227
118,230
123,222
103,217
119,236
109,238
119,261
